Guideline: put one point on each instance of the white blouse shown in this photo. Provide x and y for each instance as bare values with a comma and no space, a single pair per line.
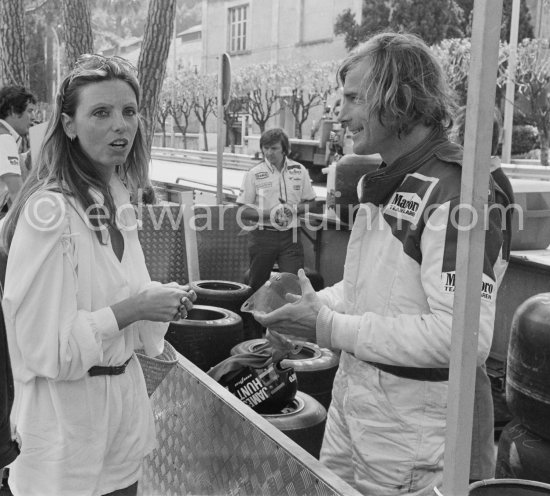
80,435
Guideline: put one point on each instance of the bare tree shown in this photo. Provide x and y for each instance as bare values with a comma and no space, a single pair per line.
183,104
13,69
204,101
310,84
152,59
163,111
78,29
261,85
532,80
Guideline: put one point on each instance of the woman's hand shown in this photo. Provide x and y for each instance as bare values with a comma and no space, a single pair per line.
186,302
158,303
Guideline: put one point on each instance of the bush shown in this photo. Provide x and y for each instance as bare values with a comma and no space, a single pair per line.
524,139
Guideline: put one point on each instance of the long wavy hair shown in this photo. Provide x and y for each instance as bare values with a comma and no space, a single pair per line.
63,166
404,81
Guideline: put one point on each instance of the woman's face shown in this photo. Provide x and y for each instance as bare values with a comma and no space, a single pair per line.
105,123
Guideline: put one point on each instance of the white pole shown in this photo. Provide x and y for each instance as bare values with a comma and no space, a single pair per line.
510,85
471,242
174,65
220,135
57,61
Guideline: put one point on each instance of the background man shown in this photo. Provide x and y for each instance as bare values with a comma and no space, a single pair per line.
392,314
276,191
17,107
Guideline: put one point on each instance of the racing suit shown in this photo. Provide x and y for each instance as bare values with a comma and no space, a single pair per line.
391,316
9,160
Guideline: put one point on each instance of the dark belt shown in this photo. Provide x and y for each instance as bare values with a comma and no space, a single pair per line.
415,373
117,370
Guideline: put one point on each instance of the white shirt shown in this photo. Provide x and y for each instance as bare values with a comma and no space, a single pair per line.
9,157
80,435
267,187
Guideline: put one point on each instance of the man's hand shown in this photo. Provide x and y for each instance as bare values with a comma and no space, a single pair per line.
297,318
283,215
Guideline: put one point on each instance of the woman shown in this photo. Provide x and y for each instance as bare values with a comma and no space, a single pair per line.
78,299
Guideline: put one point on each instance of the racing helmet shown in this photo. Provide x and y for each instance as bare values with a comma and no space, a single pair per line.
266,389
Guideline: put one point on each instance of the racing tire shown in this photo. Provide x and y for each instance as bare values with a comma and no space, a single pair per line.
227,294
207,335
315,367
302,420
522,454
224,294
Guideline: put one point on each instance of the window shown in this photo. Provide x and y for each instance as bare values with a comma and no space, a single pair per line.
237,28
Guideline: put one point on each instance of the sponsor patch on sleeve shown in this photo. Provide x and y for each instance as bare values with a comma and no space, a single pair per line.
14,161
448,284
411,198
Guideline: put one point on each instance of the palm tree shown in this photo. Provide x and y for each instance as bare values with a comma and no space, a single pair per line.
13,69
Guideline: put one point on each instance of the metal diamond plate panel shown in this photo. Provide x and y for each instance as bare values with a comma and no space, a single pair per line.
222,245
208,447
162,240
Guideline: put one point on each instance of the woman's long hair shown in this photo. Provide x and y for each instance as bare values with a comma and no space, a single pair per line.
63,166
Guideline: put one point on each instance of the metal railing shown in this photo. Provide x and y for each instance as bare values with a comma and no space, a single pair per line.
209,159
230,193
202,191
527,169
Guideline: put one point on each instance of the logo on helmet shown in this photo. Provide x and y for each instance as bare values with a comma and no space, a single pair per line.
266,390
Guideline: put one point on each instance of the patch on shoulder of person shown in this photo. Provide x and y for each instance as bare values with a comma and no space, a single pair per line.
410,200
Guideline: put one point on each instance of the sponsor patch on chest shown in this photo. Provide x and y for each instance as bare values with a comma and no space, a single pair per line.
261,175
14,161
448,284
264,185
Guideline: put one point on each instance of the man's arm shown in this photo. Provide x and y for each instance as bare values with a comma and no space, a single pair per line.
305,206
14,183
253,213
415,339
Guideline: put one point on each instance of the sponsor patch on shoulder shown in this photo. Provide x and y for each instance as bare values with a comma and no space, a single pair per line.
448,284
261,175
410,200
13,161
293,167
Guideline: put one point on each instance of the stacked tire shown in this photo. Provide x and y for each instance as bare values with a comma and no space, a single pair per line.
226,294
303,421
315,367
207,335
524,445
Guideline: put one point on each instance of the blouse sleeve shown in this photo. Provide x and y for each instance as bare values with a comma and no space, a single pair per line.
150,335
50,337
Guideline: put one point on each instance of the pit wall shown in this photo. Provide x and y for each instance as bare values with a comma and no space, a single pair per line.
210,443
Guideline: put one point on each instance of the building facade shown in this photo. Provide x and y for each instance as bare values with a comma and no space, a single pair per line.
272,31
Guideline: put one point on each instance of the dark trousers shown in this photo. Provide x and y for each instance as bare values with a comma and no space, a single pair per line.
266,246
127,491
